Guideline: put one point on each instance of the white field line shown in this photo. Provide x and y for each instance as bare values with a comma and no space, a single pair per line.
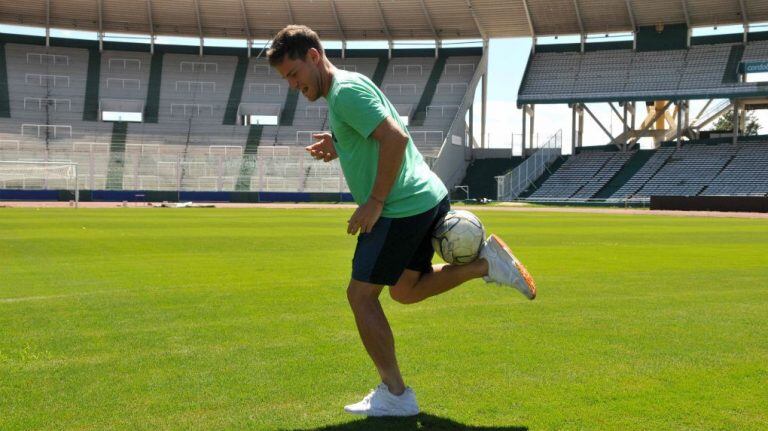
51,297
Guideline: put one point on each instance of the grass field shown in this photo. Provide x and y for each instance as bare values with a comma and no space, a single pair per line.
237,319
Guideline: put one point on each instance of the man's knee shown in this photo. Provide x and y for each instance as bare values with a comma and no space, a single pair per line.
402,292
361,293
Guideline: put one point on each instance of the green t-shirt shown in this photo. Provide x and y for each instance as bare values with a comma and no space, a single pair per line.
355,108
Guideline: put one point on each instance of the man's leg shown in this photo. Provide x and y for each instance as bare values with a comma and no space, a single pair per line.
375,332
414,286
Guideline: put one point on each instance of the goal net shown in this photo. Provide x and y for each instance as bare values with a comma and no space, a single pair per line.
24,175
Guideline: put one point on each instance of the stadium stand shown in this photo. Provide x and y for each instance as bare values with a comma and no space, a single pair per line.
644,173
603,175
582,175
195,88
124,79
696,168
192,134
620,73
688,170
663,68
745,175
630,168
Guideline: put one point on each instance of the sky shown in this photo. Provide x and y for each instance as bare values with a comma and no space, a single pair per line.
506,64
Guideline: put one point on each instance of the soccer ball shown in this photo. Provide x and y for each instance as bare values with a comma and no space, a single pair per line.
458,237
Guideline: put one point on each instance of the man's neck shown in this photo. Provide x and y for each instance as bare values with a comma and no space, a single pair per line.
327,72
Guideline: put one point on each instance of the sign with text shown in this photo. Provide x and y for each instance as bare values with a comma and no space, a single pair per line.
754,66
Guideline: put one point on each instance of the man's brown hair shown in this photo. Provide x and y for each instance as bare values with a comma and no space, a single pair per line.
293,41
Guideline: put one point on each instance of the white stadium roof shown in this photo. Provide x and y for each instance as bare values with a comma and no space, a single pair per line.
377,19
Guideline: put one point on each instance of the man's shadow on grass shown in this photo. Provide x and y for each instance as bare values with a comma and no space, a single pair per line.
420,422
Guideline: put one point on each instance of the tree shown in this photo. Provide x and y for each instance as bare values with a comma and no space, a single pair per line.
725,123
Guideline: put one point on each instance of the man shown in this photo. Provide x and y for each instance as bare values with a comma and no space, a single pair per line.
399,201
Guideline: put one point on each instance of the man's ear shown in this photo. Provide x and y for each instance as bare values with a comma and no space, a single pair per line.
313,55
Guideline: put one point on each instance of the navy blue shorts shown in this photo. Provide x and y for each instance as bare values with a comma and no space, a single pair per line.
397,244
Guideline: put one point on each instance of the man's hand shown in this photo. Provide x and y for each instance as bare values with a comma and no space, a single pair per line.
365,217
322,149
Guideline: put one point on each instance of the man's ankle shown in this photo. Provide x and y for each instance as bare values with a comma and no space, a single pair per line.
396,389
481,266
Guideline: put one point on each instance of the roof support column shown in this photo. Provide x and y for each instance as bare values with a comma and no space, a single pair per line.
47,23
470,136
247,27
484,105
582,34
199,26
529,112
524,130
626,127
101,26
680,107
151,28
634,24
390,43
735,121
341,30
628,119
573,128
530,25
744,19
477,21
684,4
431,26
532,131
580,137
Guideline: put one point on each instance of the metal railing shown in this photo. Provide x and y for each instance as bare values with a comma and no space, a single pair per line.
512,184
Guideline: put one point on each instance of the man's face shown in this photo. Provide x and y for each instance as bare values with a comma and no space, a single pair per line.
302,74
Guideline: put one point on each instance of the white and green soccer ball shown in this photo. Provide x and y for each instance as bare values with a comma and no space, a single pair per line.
458,237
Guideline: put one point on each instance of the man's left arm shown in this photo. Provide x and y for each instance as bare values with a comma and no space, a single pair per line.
392,143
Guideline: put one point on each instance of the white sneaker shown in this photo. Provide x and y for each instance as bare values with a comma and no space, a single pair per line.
381,402
505,269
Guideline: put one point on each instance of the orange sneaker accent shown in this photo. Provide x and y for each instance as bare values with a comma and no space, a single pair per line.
520,267
528,278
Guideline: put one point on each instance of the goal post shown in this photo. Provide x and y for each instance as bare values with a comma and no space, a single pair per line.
32,175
